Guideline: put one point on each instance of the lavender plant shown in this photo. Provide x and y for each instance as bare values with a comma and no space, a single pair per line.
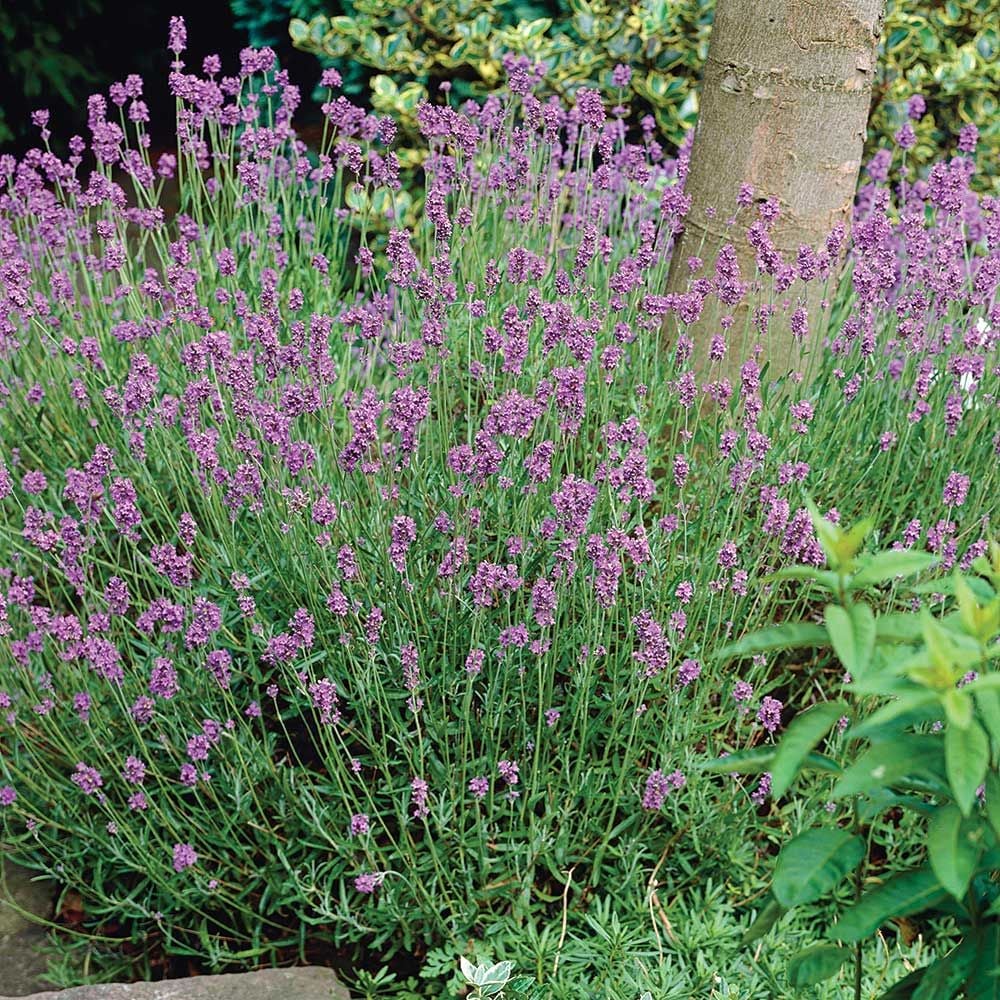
363,594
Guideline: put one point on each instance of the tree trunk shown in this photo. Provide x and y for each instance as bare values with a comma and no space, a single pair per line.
784,106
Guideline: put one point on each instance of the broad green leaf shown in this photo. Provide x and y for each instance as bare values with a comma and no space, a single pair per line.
901,896
982,982
903,990
949,654
989,711
772,912
852,635
946,585
823,577
944,978
958,708
803,733
814,964
878,800
966,756
759,759
898,627
980,620
827,534
895,713
891,564
993,800
752,761
953,849
883,764
792,635
813,863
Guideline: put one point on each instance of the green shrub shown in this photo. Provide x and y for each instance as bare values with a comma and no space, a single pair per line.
924,736
945,51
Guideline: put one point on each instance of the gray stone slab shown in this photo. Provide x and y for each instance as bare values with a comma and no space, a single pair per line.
21,940
29,892
22,962
309,983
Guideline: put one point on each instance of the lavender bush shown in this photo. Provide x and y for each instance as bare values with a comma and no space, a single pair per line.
363,592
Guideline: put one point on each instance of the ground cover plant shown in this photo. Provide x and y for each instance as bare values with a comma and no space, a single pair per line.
363,597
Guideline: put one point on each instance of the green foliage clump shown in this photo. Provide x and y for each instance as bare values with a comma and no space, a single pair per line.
945,51
38,65
950,53
932,750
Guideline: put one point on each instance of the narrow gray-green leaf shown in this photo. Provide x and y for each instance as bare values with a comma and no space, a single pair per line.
814,964
966,756
813,863
791,635
802,734
888,565
953,849
903,895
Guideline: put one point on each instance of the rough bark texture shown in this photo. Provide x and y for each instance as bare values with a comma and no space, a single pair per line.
784,106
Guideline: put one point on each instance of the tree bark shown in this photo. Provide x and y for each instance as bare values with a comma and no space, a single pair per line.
784,107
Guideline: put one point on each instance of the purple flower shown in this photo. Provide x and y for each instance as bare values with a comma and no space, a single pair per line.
134,771
968,138
359,824
688,672
543,602
184,857
479,786
956,489
163,679
206,620
177,36
769,714
188,775
34,482
419,799
658,786
621,75
728,555
142,709
508,770
7,795
763,789
87,779
590,107
137,802
742,692
368,882
325,701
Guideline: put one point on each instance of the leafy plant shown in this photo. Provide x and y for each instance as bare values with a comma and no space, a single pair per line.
899,755
947,52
